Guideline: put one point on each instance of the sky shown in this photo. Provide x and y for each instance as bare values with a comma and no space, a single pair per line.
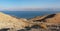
25,4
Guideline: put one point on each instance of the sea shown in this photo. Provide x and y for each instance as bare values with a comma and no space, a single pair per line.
28,14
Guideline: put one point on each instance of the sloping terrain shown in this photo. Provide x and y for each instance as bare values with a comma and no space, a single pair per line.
52,18
7,21
55,18
39,23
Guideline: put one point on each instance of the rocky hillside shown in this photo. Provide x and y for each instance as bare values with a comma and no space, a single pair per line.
22,24
52,18
7,21
13,23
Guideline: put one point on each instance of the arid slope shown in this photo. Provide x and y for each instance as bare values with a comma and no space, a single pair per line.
7,21
52,18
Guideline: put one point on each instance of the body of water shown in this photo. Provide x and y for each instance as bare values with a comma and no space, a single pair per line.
28,14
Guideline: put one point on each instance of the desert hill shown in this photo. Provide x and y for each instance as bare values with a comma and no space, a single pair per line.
7,21
51,18
54,18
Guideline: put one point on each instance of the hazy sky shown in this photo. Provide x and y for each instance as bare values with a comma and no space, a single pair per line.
18,4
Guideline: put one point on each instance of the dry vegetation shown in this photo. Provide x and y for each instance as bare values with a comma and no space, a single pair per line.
7,21
14,24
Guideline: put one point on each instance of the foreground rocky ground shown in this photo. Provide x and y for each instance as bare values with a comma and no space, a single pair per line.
35,28
39,23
